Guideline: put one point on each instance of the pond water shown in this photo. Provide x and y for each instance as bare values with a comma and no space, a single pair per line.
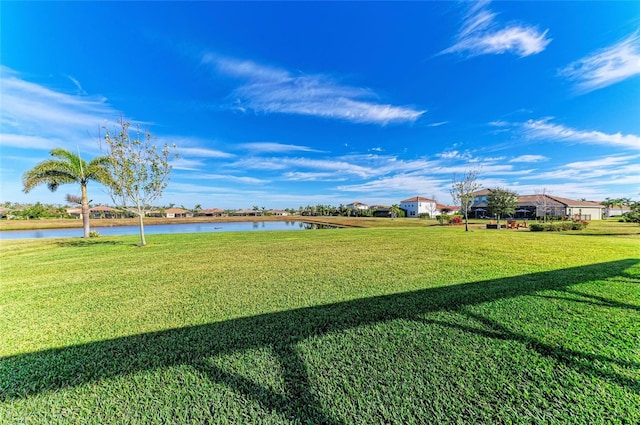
154,229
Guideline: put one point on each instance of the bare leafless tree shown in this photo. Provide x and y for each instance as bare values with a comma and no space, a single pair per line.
462,192
542,203
140,170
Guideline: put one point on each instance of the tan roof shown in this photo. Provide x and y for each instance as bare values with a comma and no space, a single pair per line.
176,211
556,200
211,211
103,208
574,203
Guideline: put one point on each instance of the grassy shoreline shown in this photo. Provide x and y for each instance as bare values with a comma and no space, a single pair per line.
375,325
611,226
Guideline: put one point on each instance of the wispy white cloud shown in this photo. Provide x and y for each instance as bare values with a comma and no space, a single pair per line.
544,129
232,179
591,172
184,164
454,154
271,147
312,176
338,166
402,183
615,160
202,152
36,117
25,141
272,90
529,158
334,166
480,34
607,66
80,90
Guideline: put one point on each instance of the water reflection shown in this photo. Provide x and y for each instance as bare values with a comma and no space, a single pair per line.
151,229
316,226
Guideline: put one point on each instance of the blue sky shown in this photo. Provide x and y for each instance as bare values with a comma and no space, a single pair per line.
294,103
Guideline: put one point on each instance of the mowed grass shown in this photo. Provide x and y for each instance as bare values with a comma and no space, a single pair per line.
378,325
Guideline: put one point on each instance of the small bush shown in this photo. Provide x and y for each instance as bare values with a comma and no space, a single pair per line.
578,225
455,219
558,226
94,234
536,227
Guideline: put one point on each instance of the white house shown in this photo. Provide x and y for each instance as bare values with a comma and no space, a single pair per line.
417,205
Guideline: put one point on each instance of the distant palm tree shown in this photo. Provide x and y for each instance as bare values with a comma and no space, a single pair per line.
69,168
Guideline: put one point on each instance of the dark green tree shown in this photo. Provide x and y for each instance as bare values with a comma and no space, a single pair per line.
501,202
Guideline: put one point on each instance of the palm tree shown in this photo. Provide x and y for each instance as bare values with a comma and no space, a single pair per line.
69,168
607,204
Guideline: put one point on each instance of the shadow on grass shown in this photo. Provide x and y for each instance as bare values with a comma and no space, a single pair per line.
593,299
631,233
50,370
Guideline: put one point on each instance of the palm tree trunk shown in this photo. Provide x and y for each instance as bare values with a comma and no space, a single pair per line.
85,212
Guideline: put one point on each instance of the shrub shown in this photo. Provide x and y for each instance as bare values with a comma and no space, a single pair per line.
578,225
536,227
455,219
94,234
558,226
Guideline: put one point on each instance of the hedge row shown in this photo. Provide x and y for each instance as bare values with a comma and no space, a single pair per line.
558,226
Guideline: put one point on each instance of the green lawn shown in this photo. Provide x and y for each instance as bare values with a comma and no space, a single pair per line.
378,325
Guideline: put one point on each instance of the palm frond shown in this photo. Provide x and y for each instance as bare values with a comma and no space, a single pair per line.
99,169
51,172
74,160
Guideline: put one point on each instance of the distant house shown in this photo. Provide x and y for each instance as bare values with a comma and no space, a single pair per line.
541,205
211,212
616,210
102,211
562,207
380,211
357,206
417,205
177,213
447,209
248,213
98,212
279,213
480,197
75,212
